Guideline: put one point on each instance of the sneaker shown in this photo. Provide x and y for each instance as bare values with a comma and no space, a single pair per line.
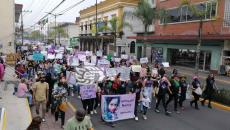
79,97
91,112
167,113
177,112
95,111
157,110
136,118
43,120
144,117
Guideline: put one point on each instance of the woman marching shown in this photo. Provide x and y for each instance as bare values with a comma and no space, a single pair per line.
196,92
209,90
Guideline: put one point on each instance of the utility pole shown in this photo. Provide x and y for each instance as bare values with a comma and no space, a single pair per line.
22,30
55,25
96,29
199,45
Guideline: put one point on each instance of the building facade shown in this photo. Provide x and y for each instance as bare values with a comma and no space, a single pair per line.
66,34
176,37
7,26
107,10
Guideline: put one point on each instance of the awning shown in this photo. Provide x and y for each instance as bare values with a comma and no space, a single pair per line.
182,37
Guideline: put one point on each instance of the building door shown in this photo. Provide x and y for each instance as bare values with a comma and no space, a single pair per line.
205,60
119,51
139,52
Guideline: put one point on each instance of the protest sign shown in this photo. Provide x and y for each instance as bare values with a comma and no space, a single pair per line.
37,56
88,91
99,53
111,72
71,77
117,59
125,73
124,57
165,64
144,60
136,68
87,74
81,57
72,61
89,53
24,48
50,56
44,53
124,107
59,56
154,71
94,60
30,57
143,72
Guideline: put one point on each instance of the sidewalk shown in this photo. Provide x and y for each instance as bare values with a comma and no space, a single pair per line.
203,75
18,115
50,123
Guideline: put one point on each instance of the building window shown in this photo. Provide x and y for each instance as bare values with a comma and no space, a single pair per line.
86,27
227,13
90,26
132,47
185,14
81,27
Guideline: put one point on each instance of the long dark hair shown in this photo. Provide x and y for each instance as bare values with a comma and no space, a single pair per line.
35,124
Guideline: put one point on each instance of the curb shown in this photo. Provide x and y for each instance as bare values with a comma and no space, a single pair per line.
28,109
220,106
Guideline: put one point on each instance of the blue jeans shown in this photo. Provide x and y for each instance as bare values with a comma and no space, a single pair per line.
29,97
149,91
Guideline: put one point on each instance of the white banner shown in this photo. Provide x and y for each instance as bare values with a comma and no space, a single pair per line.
71,77
124,57
117,107
136,68
144,60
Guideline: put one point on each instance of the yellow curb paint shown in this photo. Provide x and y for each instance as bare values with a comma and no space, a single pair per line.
28,109
72,107
218,105
4,121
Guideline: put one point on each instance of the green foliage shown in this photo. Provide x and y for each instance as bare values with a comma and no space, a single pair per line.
145,13
59,31
36,35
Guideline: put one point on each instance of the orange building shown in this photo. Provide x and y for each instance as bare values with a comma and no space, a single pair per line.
176,34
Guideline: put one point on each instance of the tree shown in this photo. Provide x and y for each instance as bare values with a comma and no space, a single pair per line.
58,31
115,27
37,35
201,14
146,14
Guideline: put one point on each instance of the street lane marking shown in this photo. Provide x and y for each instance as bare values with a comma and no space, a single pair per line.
72,107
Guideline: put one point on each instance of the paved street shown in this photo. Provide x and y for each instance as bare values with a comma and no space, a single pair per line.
189,119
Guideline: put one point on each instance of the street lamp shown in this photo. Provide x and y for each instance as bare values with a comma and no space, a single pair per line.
55,25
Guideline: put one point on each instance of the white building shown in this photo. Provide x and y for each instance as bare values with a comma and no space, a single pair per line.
7,25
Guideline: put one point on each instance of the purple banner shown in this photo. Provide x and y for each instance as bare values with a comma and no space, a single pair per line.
88,92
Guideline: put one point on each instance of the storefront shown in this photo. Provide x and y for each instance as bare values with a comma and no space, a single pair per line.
181,50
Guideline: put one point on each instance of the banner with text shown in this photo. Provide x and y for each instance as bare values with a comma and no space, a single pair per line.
117,107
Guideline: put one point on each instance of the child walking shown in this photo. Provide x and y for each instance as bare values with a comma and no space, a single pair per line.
145,100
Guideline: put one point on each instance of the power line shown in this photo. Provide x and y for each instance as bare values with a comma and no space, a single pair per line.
71,7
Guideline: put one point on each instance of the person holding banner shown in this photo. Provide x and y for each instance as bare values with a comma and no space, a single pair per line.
116,84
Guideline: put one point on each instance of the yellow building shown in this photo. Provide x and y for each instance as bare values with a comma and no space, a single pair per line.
106,10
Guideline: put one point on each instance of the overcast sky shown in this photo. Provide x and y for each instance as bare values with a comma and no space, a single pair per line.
39,7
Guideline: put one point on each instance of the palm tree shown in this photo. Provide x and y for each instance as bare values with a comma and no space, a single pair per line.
115,27
146,14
